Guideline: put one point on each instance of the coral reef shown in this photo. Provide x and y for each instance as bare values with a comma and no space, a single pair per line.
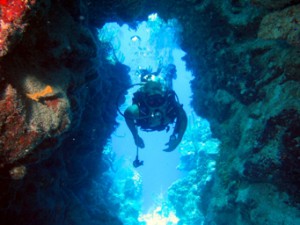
126,188
17,139
57,110
245,59
272,4
199,151
282,25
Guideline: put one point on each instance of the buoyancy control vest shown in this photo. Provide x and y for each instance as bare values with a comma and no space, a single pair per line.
155,104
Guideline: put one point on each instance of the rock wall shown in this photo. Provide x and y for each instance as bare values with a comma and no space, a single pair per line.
57,109
245,58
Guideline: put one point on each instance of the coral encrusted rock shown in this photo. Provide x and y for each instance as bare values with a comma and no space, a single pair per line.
58,95
245,59
13,21
271,4
282,25
17,139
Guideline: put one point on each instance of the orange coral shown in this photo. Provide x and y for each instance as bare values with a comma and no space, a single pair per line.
38,95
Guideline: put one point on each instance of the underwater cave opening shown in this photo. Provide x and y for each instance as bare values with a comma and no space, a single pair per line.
143,191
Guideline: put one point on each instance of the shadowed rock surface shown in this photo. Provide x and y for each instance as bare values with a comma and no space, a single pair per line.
245,57
58,107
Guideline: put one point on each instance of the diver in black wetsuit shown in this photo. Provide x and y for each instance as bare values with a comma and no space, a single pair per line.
155,106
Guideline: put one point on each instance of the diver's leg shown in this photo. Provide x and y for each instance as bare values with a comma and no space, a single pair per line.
132,113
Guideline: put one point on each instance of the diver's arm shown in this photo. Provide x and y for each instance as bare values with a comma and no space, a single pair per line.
180,127
132,113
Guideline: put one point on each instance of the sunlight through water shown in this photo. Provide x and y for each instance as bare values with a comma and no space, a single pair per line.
152,44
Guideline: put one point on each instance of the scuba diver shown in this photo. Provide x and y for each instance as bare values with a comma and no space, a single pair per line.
154,107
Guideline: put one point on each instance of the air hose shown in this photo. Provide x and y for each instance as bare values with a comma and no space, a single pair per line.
122,93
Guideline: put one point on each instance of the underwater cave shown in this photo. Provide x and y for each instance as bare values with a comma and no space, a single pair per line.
70,72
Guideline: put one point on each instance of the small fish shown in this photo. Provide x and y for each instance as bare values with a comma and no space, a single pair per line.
38,95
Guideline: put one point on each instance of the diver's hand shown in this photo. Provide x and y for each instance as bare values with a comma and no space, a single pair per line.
173,142
139,142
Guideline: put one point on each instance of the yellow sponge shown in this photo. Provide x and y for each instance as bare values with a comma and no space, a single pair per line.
36,96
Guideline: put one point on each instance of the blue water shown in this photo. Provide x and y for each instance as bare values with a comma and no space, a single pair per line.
155,43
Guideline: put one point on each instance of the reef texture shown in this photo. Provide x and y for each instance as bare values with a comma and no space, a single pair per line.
58,107
58,97
12,22
198,154
282,25
245,58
